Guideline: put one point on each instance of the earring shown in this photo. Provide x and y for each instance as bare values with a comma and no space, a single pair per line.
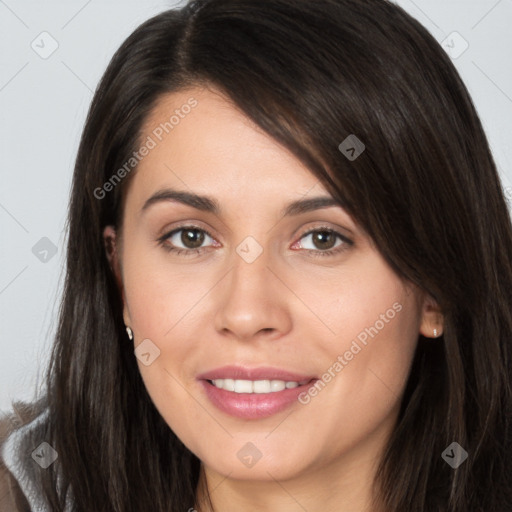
129,332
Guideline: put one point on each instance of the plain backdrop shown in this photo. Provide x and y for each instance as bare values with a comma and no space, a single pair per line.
52,56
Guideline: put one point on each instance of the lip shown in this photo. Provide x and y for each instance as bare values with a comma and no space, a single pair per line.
252,406
260,373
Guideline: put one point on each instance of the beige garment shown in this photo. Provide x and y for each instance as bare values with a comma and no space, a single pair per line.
12,498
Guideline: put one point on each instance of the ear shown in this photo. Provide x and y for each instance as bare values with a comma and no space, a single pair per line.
110,240
432,318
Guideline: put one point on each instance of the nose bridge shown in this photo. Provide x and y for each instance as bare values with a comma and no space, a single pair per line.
252,300
250,274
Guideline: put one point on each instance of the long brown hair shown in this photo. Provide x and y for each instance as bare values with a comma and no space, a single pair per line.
426,189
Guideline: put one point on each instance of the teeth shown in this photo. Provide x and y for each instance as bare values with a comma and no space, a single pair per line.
243,386
277,385
254,386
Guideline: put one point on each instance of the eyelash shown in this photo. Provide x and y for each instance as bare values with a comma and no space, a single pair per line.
312,252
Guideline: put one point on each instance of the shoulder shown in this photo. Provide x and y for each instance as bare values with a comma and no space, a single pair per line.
12,498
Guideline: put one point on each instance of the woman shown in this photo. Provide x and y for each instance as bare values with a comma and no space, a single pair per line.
289,278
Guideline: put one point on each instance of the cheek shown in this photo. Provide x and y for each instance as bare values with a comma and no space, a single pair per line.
156,294
366,360
363,300
163,305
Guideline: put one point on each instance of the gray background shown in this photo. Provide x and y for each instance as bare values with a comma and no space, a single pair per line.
43,103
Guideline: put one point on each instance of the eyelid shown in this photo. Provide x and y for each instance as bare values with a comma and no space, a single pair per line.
325,227
192,224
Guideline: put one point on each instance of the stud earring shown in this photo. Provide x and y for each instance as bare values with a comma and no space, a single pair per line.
129,332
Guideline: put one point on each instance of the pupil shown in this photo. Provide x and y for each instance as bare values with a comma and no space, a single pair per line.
196,239
322,237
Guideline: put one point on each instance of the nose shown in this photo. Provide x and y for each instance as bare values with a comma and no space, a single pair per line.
252,301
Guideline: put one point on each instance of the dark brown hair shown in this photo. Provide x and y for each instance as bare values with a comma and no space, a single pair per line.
426,189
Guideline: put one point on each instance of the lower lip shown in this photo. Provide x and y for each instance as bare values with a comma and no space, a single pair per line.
252,406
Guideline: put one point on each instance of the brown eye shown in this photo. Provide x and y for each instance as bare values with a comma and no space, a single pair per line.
186,239
192,238
324,242
324,239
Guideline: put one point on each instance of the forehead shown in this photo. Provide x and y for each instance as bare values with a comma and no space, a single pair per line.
201,142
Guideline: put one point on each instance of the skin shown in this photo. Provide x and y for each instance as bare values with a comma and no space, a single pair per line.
287,309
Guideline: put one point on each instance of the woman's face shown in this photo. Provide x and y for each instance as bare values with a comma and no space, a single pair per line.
303,292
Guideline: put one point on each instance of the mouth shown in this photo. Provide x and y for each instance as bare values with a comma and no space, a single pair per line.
263,392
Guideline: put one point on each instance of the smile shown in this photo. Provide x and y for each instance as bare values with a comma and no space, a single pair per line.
255,386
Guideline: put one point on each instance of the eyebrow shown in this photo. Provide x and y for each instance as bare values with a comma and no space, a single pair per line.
209,204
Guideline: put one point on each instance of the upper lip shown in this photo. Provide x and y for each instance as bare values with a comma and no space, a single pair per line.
236,372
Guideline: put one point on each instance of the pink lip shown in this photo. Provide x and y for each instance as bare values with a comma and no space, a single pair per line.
253,405
261,373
